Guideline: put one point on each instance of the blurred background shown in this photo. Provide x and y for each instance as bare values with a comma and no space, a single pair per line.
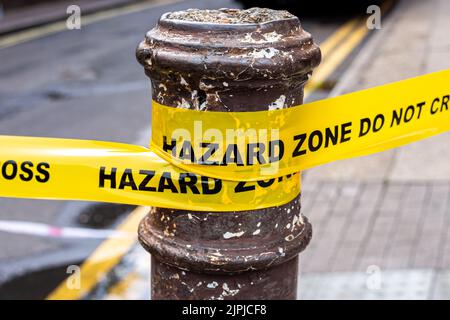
67,69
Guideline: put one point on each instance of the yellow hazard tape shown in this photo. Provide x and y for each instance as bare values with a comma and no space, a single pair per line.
226,161
47,168
266,144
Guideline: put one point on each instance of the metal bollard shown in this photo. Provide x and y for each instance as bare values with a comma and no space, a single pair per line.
227,60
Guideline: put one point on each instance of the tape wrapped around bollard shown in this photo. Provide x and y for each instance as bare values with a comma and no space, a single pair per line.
357,124
68,169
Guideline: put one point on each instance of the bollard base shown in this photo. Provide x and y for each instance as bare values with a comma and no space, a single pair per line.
277,283
195,262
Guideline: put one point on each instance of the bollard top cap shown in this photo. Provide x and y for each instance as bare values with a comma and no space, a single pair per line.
231,44
229,16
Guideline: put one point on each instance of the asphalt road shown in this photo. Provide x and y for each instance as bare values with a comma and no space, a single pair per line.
83,84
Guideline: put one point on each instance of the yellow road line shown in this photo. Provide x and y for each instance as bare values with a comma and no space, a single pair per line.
333,59
121,290
335,39
333,51
54,27
338,46
102,260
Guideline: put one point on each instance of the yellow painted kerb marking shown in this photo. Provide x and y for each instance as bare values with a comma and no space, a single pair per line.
335,55
102,260
338,46
337,37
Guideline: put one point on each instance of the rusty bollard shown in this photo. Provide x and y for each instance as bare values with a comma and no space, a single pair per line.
227,60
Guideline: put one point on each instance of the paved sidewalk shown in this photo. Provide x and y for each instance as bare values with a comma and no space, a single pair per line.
389,213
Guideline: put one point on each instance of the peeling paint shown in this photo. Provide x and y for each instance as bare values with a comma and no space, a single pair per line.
266,37
227,291
184,104
272,36
278,103
264,53
228,235
212,285
289,237
183,81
